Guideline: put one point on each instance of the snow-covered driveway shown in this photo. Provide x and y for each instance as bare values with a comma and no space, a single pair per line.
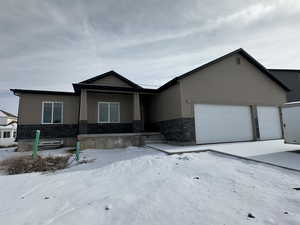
244,149
157,189
286,159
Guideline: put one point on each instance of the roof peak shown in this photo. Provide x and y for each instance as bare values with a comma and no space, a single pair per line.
241,51
110,73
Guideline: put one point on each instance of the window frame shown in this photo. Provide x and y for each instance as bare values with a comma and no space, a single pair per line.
6,132
52,111
109,103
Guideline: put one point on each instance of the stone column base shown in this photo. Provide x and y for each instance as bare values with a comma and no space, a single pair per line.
137,126
83,127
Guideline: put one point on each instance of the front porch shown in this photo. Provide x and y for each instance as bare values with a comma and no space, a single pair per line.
114,117
105,112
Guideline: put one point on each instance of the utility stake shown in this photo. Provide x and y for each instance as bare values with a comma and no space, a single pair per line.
36,144
77,150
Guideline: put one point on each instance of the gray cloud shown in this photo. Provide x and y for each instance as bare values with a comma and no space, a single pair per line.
50,44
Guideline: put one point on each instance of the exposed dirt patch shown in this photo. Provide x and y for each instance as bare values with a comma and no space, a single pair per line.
26,164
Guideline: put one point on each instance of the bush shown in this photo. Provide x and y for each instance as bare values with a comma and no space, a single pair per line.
26,164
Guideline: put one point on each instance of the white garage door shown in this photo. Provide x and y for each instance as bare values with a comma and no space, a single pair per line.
269,122
222,123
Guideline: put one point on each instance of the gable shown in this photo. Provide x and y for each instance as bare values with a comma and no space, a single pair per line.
111,79
241,52
227,82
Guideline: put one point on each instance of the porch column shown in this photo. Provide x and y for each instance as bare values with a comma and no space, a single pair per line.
137,123
83,121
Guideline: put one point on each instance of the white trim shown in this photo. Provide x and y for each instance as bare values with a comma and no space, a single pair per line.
52,111
108,119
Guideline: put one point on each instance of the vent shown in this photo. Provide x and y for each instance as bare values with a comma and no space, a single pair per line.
238,60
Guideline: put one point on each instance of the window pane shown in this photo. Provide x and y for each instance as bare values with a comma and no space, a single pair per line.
103,112
114,112
57,113
6,134
47,113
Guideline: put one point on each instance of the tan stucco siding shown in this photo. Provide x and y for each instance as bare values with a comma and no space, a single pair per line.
30,108
227,82
166,105
125,100
111,81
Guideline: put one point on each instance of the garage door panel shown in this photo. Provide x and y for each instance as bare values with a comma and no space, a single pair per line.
222,123
269,122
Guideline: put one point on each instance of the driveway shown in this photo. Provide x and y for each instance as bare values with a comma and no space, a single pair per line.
286,159
245,149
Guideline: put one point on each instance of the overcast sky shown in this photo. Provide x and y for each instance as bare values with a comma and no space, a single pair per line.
52,44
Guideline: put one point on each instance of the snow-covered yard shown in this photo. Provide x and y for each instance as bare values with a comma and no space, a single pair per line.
97,158
139,186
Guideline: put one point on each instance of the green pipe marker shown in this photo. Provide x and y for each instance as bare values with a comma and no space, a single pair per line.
36,144
77,151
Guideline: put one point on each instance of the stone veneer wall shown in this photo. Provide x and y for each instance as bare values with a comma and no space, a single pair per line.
47,131
70,130
102,128
137,126
178,130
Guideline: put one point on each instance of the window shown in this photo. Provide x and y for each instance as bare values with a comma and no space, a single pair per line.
52,113
6,134
108,112
14,134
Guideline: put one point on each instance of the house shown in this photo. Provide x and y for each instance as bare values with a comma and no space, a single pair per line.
291,78
8,129
233,98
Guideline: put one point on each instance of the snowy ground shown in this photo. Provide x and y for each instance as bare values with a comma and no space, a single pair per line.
97,158
241,148
153,188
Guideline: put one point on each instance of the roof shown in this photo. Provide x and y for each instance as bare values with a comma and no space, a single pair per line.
135,87
110,73
238,51
285,70
77,87
8,114
287,76
16,91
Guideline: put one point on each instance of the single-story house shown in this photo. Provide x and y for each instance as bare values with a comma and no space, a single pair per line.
8,128
233,98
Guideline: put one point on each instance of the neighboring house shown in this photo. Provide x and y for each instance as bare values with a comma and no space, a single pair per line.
291,78
233,98
8,128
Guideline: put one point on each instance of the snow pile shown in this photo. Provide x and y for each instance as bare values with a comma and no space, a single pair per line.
200,188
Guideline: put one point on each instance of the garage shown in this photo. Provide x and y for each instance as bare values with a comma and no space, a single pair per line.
222,123
269,122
